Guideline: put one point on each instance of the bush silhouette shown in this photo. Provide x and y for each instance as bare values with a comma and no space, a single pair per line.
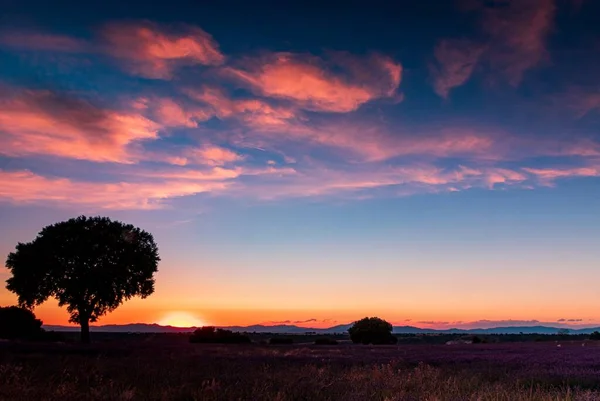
90,265
212,335
595,336
19,323
372,330
326,341
281,340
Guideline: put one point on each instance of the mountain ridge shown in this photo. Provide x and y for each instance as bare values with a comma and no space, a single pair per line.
293,329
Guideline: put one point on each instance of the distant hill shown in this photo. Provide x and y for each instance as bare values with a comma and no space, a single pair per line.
291,329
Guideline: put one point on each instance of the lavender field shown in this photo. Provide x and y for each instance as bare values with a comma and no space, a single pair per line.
172,369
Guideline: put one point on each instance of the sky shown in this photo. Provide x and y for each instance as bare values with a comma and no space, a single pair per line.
433,163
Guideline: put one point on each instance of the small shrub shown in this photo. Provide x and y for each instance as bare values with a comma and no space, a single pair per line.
19,323
281,340
326,341
476,340
213,335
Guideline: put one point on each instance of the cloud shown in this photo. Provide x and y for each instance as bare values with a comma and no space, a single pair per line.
211,174
212,155
320,181
44,42
253,112
261,124
513,41
305,321
519,34
131,187
456,60
580,101
569,320
154,51
171,113
312,320
547,175
52,123
27,187
141,47
433,323
311,83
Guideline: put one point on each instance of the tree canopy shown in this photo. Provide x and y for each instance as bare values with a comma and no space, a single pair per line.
89,264
371,330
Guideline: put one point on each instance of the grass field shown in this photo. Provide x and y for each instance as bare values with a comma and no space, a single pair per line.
169,368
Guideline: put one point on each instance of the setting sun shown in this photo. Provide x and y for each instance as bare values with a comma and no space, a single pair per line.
181,319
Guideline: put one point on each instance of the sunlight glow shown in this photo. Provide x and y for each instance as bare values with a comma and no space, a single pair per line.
181,319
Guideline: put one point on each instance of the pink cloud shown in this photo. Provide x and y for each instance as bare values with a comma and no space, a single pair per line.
172,114
365,140
456,61
143,48
253,112
27,187
44,122
133,188
321,181
212,155
581,101
547,176
519,34
273,127
516,42
153,51
211,174
176,113
310,82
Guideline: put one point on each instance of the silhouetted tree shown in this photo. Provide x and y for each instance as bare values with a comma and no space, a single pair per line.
19,323
209,334
90,265
372,330
595,336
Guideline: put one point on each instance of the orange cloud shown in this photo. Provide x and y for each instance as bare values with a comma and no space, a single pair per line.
44,122
309,82
153,51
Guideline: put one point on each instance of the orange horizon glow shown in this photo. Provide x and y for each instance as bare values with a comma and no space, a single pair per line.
51,314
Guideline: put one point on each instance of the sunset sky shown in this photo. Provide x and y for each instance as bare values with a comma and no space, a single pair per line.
433,163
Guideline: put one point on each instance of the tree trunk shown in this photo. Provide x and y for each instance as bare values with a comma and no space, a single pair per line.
85,331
